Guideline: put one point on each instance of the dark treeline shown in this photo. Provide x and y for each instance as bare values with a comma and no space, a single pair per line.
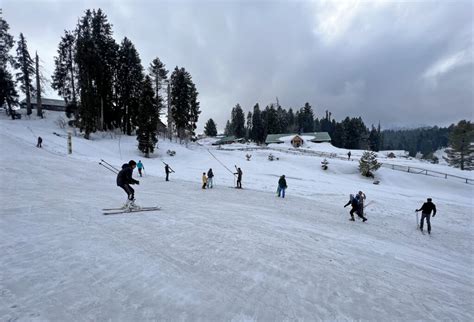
103,83
350,133
423,140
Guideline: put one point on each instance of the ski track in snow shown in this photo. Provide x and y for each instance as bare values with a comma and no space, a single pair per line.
222,254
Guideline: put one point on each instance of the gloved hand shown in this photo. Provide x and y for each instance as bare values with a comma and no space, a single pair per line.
345,206
434,215
138,182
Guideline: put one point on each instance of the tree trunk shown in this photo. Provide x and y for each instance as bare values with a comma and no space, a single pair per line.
39,107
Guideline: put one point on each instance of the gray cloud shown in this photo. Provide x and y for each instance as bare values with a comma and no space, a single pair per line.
400,63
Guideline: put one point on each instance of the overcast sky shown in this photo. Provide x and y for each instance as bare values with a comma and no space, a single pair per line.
402,63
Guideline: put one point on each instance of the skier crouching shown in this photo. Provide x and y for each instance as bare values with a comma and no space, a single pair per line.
124,180
357,204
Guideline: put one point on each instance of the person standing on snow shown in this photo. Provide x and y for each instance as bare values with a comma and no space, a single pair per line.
426,210
239,178
125,179
349,155
168,170
361,198
140,167
204,180
210,175
40,140
282,186
354,201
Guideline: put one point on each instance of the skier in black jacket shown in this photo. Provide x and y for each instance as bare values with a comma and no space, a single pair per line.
282,186
356,203
426,210
125,179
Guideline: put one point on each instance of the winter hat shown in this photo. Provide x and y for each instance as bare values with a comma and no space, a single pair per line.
429,199
131,163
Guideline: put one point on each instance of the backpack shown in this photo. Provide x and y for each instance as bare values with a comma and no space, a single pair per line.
354,200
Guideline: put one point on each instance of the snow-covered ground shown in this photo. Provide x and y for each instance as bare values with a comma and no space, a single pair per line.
222,254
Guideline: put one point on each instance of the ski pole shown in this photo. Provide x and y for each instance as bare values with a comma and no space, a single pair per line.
110,169
109,165
417,223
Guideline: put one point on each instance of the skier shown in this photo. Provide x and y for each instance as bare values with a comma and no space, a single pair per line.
362,198
426,210
124,180
168,170
40,140
282,186
140,167
239,178
210,175
204,180
355,202
349,155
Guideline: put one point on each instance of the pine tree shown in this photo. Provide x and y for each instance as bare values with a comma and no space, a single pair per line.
65,71
306,119
338,138
238,122
374,139
8,92
258,131
368,164
292,126
159,76
210,128
460,153
194,110
128,85
96,58
184,105
270,120
147,119
248,127
26,68
228,129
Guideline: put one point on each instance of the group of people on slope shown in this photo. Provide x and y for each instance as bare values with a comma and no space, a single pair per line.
357,203
207,180
125,180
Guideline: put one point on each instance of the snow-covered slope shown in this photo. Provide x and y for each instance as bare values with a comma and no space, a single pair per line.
221,254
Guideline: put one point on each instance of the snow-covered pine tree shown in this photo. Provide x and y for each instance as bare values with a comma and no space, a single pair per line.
26,68
210,128
65,72
368,164
147,119
460,153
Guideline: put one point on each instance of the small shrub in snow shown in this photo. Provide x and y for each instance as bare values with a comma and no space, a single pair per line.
368,164
324,164
391,155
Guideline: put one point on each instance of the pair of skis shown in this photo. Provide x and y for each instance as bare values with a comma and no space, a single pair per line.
117,211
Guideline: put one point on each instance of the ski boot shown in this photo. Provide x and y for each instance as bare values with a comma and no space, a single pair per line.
364,219
352,219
